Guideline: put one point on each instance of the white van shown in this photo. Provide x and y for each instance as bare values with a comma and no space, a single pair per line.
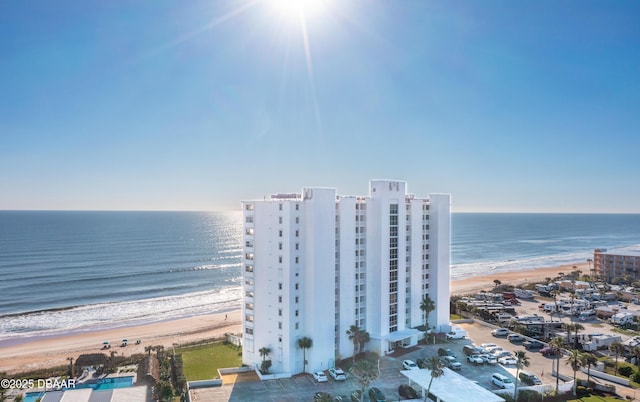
457,333
501,381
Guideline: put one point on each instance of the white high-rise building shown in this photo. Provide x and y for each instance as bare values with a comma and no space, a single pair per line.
316,263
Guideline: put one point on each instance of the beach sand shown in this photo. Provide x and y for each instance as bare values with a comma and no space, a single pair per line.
33,353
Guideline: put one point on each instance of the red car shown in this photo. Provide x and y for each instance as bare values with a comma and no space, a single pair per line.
548,351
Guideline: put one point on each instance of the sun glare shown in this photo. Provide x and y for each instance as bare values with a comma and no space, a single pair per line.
297,9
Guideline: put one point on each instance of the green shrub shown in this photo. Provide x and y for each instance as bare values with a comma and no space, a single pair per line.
625,369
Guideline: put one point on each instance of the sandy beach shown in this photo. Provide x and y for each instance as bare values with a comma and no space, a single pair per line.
32,353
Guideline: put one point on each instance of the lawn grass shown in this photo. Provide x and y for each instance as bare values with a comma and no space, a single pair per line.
202,362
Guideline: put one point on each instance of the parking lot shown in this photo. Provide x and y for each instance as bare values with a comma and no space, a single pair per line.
303,387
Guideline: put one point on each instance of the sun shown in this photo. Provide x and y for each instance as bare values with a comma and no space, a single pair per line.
298,9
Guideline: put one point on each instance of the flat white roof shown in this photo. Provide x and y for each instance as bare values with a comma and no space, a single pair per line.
451,387
400,335
633,251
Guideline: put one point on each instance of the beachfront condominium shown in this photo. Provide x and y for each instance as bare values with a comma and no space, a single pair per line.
316,263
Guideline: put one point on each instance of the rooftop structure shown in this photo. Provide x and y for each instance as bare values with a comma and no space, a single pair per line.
451,387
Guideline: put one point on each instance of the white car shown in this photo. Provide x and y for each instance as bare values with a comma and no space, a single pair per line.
500,332
486,346
507,361
475,359
410,365
320,376
489,359
337,374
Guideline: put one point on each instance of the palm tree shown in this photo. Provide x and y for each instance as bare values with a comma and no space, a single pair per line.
522,361
569,328
264,352
427,305
556,345
364,339
497,282
304,343
365,372
437,370
576,362
617,348
635,352
588,360
355,335
577,327
70,359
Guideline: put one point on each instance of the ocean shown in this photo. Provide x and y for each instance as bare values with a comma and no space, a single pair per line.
73,271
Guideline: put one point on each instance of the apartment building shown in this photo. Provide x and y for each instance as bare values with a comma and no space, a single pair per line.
616,263
316,263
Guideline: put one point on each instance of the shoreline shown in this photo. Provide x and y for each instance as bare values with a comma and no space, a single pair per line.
23,354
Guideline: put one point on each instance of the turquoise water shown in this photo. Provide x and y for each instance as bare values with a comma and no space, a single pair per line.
108,383
100,385
32,396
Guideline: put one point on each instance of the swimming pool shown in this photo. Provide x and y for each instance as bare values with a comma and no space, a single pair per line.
107,383
32,396
98,385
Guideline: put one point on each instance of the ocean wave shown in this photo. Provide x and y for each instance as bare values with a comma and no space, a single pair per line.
467,270
109,315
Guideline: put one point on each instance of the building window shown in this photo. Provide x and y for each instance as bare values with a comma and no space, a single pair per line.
280,259
249,219
296,299
248,268
297,233
297,246
279,299
297,286
280,246
248,331
297,325
248,318
280,233
248,256
280,206
248,306
248,207
297,259
279,324
249,231
280,312
280,220
296,313
249,293
297,219
248,243
280,285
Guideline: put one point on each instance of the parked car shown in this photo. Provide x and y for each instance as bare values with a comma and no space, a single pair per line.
500,332
322,397
375,395
409,365
489,358
507,361
498,353
529,378
320,376
486,346
445,352
532,345
470,350
548,351
407,392
475,359
515,338
501,381
451,362
337,374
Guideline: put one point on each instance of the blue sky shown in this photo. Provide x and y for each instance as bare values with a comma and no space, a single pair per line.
170,105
